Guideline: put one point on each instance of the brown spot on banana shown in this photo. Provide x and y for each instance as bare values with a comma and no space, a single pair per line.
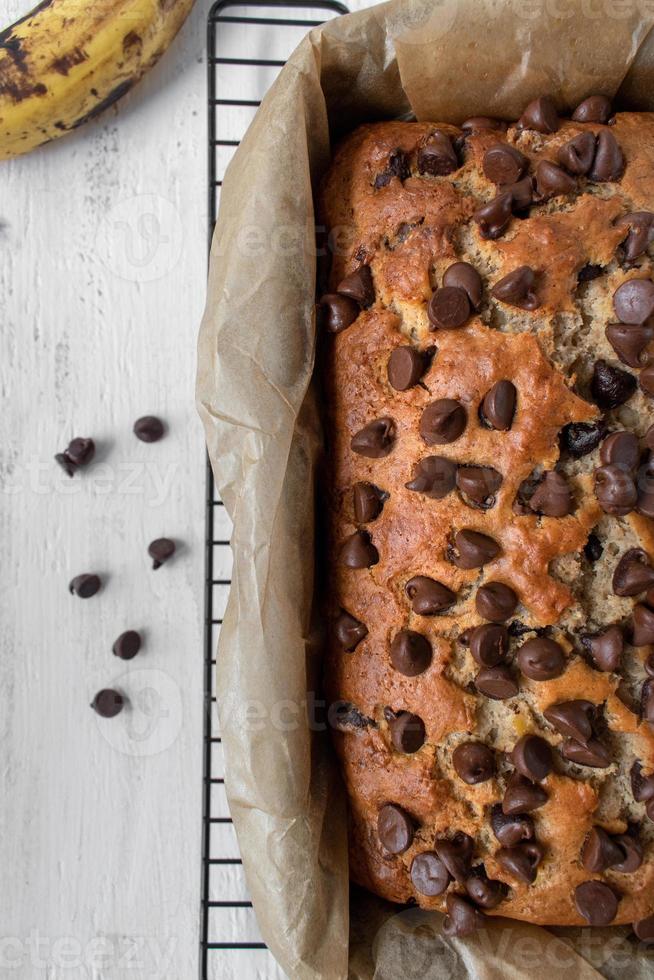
63,65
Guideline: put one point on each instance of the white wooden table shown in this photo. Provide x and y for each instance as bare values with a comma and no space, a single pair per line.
102,283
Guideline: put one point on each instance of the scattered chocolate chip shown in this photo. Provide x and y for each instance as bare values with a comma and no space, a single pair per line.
337,312
410,653
358,551
473,762
516,628
517,288
552,497
577,154
358,286
647,698
640,235
504,164
375,440
484,891
645,483
580,438
127,645
615,490
434,476
611,386
642,626
552,180
633,301
526,490
108,703
462,918
594,109
494,216
646,380
605,648
593,549
489,644
462,275
343,716
148,428
479,484
599,851
521,861
474,549
609,162
496,601
642,786
644,929
480,124
633,574
349,631
438,156
398,166
407,732
405,368
591,753
498,405
596,903
572,718
443,422
532,757
428,874
540,115
395,828
522,194
449,308
84,586
368,501
160,551
78,453
428,597
522,796
621,449
632,854
588,273
497,683
541,659
456,855
511,830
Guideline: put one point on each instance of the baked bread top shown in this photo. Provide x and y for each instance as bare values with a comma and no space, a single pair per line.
490,512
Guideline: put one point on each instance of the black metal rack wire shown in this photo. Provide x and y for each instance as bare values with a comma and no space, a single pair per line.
281,24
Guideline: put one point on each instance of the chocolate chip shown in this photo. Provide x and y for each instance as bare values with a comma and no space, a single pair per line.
522,796
615,490
577,154
456,855
160,551
395,828
407,732
494,216
521,861
358,551
642,626
647,696
599,852
593,549
84,586
609,162
479,484
572,718
511,830
148,428
605,648
588,273
398,166
410,653
532,757
632,854
443,422
449,308
591,753
349,631
484,891
640,235
611,386
462,275
405,368
496,601
127,645
437,157
522,194
343,716
473,762
633,574
541,659
621,449
540,115
358,286
108,703
474,549
428,597
462,918
646,380
525,492
497,683
649,665
368,501
337,312
78,453
596,903
552,497
428,874
552,180
645,484
498,405
504,164
633,301
644,929
642,786
580,438
375,440
489,644
480,124
434,476
594,109
517,288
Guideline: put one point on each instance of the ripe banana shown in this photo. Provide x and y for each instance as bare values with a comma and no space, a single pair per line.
68,60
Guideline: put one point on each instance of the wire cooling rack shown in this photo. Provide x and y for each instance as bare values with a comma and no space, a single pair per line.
247,45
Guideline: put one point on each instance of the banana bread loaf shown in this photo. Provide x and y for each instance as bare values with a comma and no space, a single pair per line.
490,392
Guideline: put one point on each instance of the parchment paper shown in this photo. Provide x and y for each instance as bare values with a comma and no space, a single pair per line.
442,61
